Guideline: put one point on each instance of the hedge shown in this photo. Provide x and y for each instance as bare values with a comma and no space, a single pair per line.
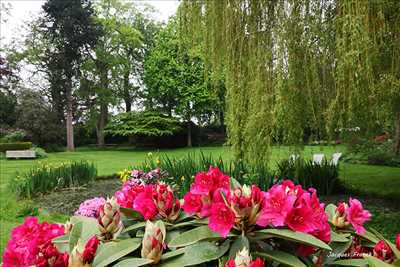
15,146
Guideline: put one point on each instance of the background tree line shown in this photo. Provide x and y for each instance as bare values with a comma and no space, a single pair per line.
89,61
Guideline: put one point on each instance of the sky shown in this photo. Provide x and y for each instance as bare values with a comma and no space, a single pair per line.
23,10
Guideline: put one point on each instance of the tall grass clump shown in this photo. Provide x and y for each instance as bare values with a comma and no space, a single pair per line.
48,177
324,177
180,171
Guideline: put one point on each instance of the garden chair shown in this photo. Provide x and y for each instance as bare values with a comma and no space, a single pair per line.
317,159
335,159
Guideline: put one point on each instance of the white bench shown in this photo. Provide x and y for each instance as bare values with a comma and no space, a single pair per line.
20,154
335,159
317,159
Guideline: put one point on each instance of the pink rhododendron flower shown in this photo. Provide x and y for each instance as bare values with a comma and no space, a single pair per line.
398,241
126,196
222,219
230,263
277,206
192,203
300,217
383,251
357,216
90,207
145,204
207,182
30,244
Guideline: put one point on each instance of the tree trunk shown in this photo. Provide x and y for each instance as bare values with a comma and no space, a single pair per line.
397,134
70,127
101,124
189,133
127,96
128,105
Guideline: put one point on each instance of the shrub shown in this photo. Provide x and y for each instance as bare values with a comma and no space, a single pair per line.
324,177
15,136
374,153
15,146
45,178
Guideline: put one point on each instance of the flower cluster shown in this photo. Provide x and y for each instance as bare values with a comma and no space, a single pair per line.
353,214
243,259
150,200
148,178
30,244
242,208
90,207
205,191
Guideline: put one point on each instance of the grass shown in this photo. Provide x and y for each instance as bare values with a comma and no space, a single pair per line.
378,181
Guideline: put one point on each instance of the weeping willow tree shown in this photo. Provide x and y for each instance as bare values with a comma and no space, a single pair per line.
297,68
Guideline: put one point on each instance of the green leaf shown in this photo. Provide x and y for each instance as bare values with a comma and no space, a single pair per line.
371,237
173,254
133,262
205,251
352,262
296,237
239,243
115,250
75,235
136,226
375,262
89,227
336,237
281,257
130,213
193,236
338,248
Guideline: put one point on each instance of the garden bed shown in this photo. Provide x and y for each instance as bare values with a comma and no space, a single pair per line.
66,201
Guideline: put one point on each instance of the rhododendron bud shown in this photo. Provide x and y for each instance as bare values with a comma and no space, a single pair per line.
339,219
383,251
90,249
168,207
222,219
398,241
242,258
153,241
357,216
109,219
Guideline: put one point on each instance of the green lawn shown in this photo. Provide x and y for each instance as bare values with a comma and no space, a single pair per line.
374,180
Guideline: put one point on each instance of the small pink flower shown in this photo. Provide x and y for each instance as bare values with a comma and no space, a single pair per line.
277,205
383,251
90,207
357,216
222,219
398,241
192,203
